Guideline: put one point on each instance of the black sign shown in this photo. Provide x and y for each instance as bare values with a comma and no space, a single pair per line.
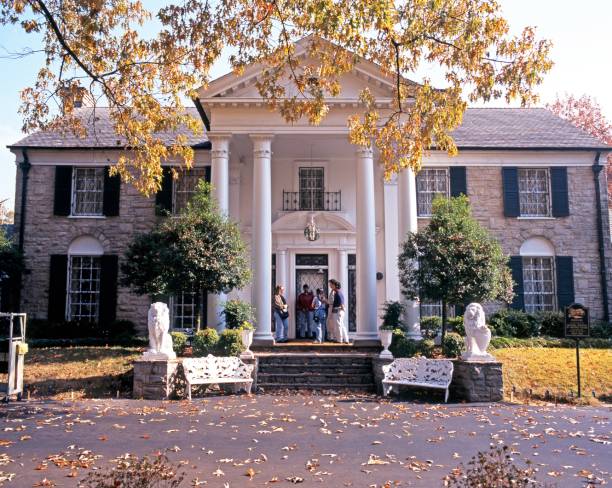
576,321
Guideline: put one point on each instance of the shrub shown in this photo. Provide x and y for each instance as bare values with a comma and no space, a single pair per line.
453,345
504,342
456,324
134,472
230,343
601,330
430,326
551,324
118,329
236,313
392,315
179,342
493,468
426,348
45,329
513,323
205,342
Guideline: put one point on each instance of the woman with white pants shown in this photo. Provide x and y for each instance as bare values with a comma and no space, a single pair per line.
338,309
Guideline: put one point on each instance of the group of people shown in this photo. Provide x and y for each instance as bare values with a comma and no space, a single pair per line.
319,318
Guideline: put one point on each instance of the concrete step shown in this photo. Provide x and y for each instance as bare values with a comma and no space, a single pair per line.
315,369
316,386
316,378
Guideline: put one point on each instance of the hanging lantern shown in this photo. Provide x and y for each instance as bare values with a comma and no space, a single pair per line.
311,232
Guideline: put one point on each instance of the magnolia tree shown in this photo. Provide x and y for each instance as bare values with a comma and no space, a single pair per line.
454,260
143,63
199,250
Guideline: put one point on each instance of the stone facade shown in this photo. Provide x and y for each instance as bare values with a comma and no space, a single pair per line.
48,234
156,380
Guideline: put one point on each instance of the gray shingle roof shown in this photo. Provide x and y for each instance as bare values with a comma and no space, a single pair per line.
520,128
100,133
482,128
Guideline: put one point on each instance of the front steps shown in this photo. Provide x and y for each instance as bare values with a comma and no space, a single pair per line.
315,371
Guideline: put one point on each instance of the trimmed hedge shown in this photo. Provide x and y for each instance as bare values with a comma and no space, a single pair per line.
453,345
87,341
118,330
505,342
204,342
179,342
230,343
402,347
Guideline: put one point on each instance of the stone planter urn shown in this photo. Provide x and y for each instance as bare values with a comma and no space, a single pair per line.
247,339
385,339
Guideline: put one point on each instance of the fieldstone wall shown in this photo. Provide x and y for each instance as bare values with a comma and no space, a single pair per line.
477,381
48,234
575,235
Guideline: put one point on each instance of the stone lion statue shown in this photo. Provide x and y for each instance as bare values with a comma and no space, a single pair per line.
477,334
160,342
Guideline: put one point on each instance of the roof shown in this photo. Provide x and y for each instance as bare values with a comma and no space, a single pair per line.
521,128
101,134
482,128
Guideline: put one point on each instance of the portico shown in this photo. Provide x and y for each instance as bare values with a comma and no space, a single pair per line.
274,178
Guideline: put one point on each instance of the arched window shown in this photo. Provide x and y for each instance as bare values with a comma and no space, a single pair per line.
84,269
538,257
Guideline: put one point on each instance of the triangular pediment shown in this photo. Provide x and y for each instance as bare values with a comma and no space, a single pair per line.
244,86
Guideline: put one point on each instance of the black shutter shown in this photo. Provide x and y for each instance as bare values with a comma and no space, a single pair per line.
516,266
63,190
163,198
559,190
207,176
58,285
511,192
565,281
112,190
109,268
458,181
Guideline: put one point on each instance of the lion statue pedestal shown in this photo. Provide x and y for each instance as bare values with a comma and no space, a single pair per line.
160,342
477,335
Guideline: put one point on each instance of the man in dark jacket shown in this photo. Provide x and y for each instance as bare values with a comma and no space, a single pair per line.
305,313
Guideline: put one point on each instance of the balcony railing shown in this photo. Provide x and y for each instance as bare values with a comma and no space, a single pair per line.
294,201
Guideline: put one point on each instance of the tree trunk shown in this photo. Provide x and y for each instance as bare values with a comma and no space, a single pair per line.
444,320
199,296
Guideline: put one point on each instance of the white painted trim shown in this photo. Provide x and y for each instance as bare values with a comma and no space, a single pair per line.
537,247
85,245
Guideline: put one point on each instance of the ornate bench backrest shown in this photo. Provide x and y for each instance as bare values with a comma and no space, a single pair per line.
420,370
233,367
200,368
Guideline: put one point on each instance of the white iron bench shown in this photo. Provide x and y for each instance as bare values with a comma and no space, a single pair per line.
213,370
418,371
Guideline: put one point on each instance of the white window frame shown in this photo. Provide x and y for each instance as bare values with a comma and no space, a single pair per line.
427,212
178,302
525,194
540,307
74,211
70,292
435,308
322,190
194,175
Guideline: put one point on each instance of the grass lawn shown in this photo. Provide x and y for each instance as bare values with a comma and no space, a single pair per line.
99,372
554,369
82,372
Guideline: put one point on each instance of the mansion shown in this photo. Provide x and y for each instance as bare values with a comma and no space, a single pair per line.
534,180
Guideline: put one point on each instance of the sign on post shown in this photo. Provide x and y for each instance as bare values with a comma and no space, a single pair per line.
577,326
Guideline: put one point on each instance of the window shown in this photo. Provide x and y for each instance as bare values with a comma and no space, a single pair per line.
184,310
84,288
87,191
430,183
312,188
534,192
538,283
434,309
185,187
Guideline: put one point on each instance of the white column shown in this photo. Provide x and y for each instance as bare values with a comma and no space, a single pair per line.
261,245
281,267
367,330
392,287
219,178
343,278
408,222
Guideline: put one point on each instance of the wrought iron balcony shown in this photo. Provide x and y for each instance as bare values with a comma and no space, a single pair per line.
294,201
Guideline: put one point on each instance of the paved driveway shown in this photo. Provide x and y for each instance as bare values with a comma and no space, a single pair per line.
340,440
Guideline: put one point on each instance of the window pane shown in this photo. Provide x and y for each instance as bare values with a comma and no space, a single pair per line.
88,191
184,310
538,282
430,183
84,288
312,188
534,194
185,187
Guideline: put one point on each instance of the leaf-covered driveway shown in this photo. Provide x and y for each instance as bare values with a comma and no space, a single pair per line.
310,440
